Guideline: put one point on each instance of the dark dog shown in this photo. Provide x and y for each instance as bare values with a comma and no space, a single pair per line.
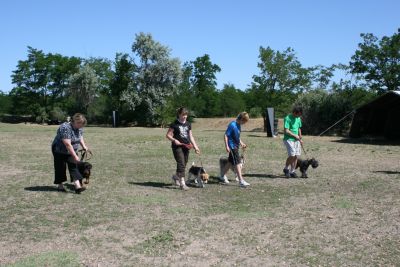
304,164
85,169
200,175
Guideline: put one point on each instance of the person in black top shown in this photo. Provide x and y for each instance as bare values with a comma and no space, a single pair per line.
180,134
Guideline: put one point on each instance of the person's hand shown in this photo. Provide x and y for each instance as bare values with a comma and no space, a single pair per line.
301,141
197,150
228,149
243,145
76,158
176,142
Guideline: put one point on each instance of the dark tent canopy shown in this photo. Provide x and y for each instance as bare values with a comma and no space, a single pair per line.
379,118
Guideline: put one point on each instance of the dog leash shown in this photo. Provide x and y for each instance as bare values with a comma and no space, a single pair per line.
85,154
305,153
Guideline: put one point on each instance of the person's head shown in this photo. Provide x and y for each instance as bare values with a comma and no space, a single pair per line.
182,114
242,118
78,121
297,111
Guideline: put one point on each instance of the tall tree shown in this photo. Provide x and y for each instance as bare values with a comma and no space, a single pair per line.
155,78
378,61
204,84
122,77
102,68
281,77
84,87
281,71
232,101
41,80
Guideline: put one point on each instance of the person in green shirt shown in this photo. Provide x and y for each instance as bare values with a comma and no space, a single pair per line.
292,140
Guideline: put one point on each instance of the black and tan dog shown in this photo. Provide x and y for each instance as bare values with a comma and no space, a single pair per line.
198,175
85,169
304,164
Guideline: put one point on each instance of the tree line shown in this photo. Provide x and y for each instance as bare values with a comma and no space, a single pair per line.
148,85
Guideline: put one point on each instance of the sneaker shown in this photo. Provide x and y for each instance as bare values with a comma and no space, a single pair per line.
184,187
243,183
175,180
224,180
293,175
286,172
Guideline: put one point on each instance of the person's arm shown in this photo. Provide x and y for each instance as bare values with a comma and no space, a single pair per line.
288,132
196,148
226,143
83,145
68,145
170,137
242,144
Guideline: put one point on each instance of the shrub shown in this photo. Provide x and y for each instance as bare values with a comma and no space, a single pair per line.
322,109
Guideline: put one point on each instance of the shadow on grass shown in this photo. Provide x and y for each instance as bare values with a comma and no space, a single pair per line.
263,175
42,188
388,172
154,184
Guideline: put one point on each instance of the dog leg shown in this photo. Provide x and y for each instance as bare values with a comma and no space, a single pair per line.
199,181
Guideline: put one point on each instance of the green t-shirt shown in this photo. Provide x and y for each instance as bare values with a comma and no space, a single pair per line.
293,124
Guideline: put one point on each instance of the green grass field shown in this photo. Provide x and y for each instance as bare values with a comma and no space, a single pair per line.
346,214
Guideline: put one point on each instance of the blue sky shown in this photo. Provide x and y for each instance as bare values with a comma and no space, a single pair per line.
231,32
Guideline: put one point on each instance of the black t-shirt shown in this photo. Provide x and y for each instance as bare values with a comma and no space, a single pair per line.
181,131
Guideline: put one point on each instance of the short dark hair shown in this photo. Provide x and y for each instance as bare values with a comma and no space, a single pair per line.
182,111
297,109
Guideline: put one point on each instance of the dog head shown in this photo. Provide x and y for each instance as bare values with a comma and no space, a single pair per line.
313,162
204,177
85,169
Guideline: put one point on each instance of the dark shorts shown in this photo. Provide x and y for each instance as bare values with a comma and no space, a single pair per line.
234,157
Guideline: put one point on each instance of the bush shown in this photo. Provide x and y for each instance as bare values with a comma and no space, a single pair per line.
57,114
255,112
321,110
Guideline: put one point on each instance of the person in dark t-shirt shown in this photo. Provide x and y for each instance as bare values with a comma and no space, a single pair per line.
182,140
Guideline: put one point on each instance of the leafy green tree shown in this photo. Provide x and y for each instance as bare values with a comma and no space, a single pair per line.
5,103
122,77
41,81
232,101
378,61
281,71
281,78
204,84
155,78
102,68
84,87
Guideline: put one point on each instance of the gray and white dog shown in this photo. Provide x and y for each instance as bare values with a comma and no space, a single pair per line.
225,166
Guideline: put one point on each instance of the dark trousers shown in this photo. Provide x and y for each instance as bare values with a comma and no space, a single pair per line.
60,167
181,156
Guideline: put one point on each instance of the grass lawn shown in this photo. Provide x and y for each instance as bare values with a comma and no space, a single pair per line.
346,214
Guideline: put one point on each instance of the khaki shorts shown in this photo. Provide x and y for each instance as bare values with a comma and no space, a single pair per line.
293,147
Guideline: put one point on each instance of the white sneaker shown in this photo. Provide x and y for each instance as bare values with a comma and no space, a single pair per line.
224,180
243,183
175,180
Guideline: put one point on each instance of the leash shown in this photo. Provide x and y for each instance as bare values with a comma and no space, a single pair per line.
85,154
302,147
336,123
201,161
